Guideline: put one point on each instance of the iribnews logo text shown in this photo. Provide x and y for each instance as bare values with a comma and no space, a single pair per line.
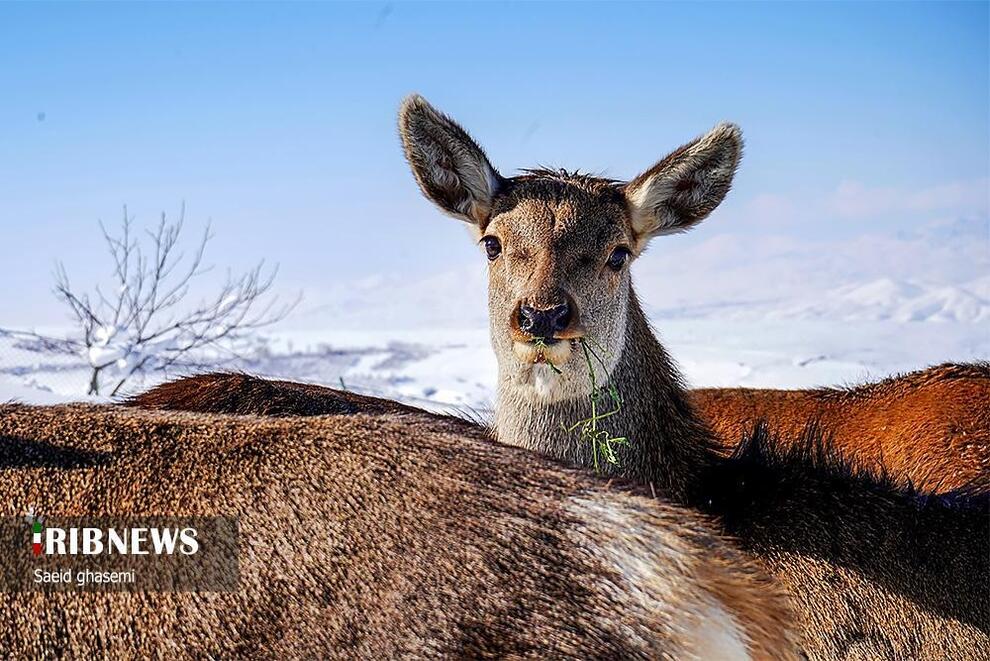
110,541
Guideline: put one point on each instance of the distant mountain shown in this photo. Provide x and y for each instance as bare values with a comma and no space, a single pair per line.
887,299
939,272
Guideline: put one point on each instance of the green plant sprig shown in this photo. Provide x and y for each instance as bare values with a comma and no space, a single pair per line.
605,403
541,344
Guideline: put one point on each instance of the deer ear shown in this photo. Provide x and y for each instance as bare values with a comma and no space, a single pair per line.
450,168
678,192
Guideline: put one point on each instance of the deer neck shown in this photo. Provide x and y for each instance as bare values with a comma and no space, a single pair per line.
667,446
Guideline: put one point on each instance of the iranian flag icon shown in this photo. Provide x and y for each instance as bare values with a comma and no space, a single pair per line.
36,537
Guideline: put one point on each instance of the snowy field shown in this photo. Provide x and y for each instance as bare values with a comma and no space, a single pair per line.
456,368
732,312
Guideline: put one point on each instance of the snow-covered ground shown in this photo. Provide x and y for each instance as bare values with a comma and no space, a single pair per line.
732,311
456,368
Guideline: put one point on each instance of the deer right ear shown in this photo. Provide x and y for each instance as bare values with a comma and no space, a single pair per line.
450,168
678,192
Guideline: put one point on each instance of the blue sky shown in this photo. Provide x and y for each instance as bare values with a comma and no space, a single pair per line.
277,121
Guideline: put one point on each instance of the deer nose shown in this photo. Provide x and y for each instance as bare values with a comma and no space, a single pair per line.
543,323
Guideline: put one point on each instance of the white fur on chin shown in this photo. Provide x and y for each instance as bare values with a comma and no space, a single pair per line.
538,378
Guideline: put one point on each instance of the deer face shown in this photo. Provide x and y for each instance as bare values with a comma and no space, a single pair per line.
559,249
559,245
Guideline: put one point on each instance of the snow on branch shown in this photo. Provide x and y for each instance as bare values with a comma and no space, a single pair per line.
142,320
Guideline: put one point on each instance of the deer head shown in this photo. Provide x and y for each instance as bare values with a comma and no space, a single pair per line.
560,244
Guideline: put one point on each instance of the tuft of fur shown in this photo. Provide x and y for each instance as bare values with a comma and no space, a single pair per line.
244,394
586,181
930,428
423,540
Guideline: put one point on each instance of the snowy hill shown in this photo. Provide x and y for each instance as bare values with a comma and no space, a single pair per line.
887,299
733,310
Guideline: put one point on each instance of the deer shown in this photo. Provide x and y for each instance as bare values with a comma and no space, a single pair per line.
765,482
875,571
423,539
929,428
875,568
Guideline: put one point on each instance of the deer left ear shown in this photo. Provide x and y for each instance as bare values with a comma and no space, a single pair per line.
451,169
678,192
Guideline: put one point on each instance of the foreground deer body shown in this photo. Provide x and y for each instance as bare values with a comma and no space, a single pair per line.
917,562
930,428
422,538
875,573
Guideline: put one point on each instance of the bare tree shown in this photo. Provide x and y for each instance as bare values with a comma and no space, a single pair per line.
143,322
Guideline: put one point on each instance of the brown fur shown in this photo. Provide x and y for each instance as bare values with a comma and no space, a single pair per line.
241,394
876,572
236,393
929,428
424,540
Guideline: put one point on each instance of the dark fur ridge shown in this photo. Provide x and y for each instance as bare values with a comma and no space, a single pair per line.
932,549
18,452
814,454
917,379
244,394
238,393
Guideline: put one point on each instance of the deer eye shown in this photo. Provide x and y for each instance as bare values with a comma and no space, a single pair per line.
618,258
493,248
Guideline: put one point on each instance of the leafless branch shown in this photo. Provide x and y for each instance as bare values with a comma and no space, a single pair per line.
141,321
